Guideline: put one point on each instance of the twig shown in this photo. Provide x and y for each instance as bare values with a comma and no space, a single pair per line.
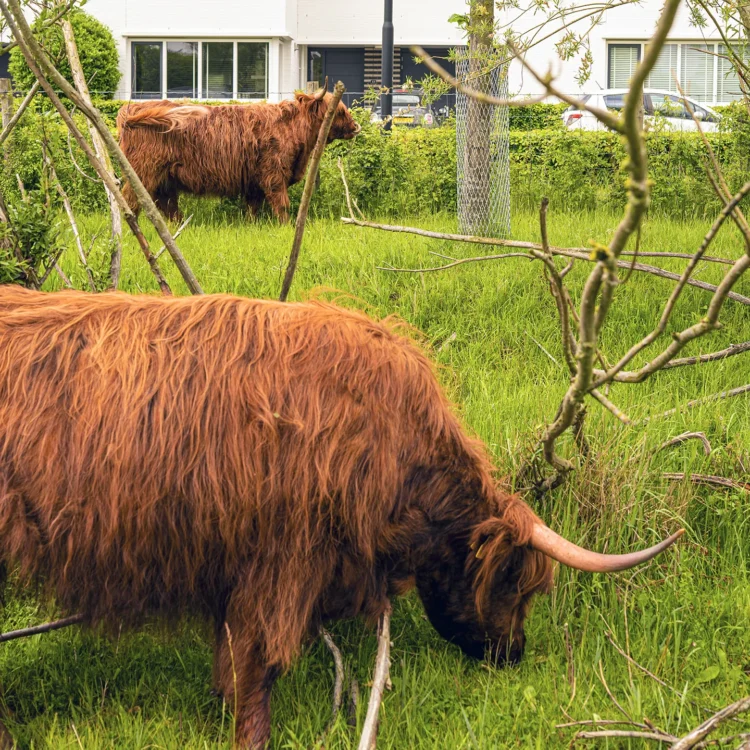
346,190
698,401
687,436
338,687
312,173
574,253
73,223
602,723
370,729
21,109
730,351
709,479
610,694
607,404
622,733
700,733
541,347
176,234
571,663
37,629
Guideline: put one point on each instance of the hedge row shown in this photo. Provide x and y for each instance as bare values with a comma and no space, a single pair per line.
414,171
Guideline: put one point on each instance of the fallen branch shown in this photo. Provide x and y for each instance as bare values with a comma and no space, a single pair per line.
667,739
37,629
369,736
708,479
312,174
685,437
574,253
689,741
338,687
698,401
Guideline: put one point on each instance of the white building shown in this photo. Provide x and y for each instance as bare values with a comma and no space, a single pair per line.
266,49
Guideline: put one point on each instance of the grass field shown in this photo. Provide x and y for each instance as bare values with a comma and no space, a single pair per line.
684,617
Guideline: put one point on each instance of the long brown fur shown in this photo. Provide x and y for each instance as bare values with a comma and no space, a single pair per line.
254,151
268,465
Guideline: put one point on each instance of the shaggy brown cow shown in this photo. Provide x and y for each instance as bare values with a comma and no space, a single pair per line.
255,151
271,466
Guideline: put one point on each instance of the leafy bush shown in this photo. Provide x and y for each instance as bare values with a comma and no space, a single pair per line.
537,117
96,48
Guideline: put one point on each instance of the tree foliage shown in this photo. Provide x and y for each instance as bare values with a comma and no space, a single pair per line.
96,47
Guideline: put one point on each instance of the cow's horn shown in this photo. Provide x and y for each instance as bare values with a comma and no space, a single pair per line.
321,92
567,553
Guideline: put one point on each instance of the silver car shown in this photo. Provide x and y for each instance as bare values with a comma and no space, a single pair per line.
660,109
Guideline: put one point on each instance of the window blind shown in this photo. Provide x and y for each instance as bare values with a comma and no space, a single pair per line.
728,84
697,74
623,59
252,70
218,74
663,76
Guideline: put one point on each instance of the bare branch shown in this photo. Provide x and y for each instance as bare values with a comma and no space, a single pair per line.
730,351
312,173
708,479
179,231
623,733
697,735
21,109
338,687
37,629
382,664
684,438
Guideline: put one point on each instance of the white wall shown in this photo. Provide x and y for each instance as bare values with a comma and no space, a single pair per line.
627,24
360,22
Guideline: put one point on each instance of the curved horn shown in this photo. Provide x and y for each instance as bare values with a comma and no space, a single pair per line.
554,546
321,92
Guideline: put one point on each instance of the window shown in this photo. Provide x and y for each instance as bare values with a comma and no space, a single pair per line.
218,63
728,84
623,59
252,68
697,76
194,69
182,70
615,101
146,70
664,74
669,105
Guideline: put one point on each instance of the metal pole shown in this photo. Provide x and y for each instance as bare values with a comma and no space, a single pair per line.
386,100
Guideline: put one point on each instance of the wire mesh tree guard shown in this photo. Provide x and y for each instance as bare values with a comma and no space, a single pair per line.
482,151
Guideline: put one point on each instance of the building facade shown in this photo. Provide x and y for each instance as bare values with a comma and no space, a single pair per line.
267,49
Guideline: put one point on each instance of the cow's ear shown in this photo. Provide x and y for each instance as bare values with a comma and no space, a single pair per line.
321,92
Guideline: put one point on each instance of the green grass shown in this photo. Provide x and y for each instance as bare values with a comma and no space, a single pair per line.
684,617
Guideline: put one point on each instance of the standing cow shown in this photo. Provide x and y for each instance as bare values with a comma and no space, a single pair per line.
254,151
270,466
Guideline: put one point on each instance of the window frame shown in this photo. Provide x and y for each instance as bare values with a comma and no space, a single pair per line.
621,45
712,50
164,41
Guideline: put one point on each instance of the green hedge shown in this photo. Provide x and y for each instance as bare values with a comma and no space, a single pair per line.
414,171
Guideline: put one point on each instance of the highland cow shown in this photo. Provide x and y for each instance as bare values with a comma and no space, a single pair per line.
268,466
250,151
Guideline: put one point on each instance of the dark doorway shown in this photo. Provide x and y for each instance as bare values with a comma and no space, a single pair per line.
345,64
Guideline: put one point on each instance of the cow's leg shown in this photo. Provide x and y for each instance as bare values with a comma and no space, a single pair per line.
166,200
245,680
278,198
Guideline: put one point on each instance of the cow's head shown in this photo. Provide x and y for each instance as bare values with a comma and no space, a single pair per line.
344,126
476,589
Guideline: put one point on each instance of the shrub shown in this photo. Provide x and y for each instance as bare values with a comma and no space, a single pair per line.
537,117
96,48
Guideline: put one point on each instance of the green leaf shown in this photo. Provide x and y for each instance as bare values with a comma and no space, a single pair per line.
709,674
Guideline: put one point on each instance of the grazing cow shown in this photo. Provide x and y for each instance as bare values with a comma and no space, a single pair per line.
270,466
254,151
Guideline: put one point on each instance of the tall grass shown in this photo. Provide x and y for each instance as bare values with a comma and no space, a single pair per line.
684,617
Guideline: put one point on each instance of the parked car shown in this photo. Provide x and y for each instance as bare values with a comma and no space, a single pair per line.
658,106
409,111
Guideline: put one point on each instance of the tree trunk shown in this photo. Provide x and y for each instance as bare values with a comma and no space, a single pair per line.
477,158
101,151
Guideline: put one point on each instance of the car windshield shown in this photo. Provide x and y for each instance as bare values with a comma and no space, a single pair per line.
405,100
614,101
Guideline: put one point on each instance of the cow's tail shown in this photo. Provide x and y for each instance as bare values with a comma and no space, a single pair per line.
162,115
